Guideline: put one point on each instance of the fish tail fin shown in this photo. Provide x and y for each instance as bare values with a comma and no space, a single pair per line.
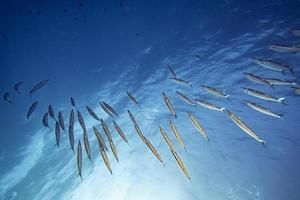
223,108
79,174
175,116
281,100
263,142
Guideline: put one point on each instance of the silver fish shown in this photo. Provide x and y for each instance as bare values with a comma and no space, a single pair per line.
209,105
18,85
181,81
38,86
57,133
81,121
243,126
51,112
198,126
6,97
132,117
114,150
106,110
284,48
153,150
31,109
176,133
110,108
172,73
106,130
263,95
262,109
92,113
215,92
273,65
257,79
87,145
61,120
180,163
105,158
79,159
120,131
276,81
169,105
133,99
166,138
45,120
71,130
100,138
185,98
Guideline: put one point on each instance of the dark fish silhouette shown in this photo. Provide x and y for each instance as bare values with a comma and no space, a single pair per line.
133,99
173,75
87,145
106,110
110,108
81,121
92,113
79,159
51,112
71,130
120,131
31,109
73,102
17,86
61,120
7,98
57,133
37,86
45,120
100,138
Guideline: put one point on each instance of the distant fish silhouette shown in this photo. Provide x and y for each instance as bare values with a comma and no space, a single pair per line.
133,99
73,102
100,138
71,130
79,159
87,145
173,75
6,97
61,120
120,131
110,108
57,133
92,113
45,120
81,121
106,110
31,109
104,157
51,112
17,86
38,86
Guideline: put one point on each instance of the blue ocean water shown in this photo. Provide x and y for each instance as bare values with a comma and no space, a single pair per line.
97,50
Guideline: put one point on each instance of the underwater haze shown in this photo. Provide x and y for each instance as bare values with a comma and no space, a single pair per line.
96,51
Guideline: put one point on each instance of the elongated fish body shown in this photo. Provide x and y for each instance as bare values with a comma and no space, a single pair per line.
51,112
71,130
169,105
81,121
262,109
171,71
18,85
120,131
61,120
166,138
57,133
198,126
105,158
139,132
257,79
92,113
177,135
153,150
87,145
132,117
100,138
243,126
106,110
106,130
79,159
114,150
31,109
215,92
37,86
6,97
133,99
73,102
295,33
110,108
181,81
45,120
209,105
185,98
180,163
276,81
284,48
262,95
273,65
